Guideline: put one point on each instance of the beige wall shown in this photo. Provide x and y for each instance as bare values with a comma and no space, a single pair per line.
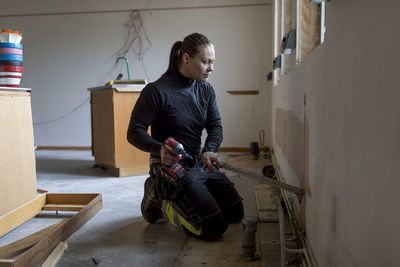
66,54
343,144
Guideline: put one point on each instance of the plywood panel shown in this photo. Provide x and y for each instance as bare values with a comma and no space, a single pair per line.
126,154
310,27
17,159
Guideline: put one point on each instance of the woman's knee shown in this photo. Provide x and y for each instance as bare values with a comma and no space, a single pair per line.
235,213
214,227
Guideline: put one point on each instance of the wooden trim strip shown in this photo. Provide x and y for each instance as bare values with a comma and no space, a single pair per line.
131,10
243,92
64,148
56,255
63,207
221,149
19,246
239,149
69,198
6,263
18,216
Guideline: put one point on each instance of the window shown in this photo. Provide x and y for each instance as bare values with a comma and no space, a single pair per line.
307,20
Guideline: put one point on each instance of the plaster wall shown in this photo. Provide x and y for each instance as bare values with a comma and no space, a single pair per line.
66,54
336,129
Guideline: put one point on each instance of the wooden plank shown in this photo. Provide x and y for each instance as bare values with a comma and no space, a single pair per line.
17,247
69,198
39,252
240,149
22,214
63,148
6,263
56,255
63,207
17,158
266,203
243,92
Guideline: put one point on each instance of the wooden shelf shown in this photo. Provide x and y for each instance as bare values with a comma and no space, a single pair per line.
243,92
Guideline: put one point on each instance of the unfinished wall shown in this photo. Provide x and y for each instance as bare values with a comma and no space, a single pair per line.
66,54
348,125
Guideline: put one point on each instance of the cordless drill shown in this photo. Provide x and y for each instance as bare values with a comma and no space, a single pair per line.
177,148
175,171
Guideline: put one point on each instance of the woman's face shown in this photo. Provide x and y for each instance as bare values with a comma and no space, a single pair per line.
200,66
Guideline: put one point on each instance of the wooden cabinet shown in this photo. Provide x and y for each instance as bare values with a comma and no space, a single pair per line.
17,154
111,109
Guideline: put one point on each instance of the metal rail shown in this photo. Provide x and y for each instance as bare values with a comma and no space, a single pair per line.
263,179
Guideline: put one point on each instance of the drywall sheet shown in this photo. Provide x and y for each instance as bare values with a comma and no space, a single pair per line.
17,158
289,136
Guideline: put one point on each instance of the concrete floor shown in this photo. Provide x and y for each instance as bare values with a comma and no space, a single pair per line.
118,235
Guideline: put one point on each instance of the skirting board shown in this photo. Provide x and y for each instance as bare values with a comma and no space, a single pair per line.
88,205
221,149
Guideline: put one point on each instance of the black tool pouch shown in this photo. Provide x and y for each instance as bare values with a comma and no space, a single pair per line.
166,186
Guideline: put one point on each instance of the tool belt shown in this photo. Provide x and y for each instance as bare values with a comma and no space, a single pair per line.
167,188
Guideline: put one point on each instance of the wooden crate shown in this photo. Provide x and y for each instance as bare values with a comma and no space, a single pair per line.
110,113
17,158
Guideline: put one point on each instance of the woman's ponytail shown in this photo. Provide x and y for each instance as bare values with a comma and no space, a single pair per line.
191,44
173,65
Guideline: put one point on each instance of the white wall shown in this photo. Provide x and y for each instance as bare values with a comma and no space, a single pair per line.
351,132
66,54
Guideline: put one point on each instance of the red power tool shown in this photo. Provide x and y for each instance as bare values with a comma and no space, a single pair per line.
177,148
175,171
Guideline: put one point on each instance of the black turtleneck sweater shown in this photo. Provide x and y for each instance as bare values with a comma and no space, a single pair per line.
175,106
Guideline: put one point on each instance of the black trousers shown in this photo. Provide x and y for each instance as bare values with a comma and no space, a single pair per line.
212,196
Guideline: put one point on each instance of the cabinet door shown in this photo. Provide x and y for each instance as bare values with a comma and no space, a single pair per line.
127,155
103,126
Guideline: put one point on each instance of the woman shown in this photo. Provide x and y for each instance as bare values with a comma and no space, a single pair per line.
180,104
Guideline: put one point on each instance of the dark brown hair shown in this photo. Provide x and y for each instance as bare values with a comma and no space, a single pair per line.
191,44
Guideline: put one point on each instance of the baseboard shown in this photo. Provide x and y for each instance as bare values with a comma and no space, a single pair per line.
239,149
64,148
221,149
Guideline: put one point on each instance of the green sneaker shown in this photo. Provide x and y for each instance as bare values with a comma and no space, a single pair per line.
151,206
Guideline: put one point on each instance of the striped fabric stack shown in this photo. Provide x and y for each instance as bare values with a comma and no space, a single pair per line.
10,58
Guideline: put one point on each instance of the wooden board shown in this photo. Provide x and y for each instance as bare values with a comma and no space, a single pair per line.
21,214
56,255
243,92
17,158
266,203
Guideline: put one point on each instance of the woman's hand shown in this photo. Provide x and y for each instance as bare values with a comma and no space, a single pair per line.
208,158
167,157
